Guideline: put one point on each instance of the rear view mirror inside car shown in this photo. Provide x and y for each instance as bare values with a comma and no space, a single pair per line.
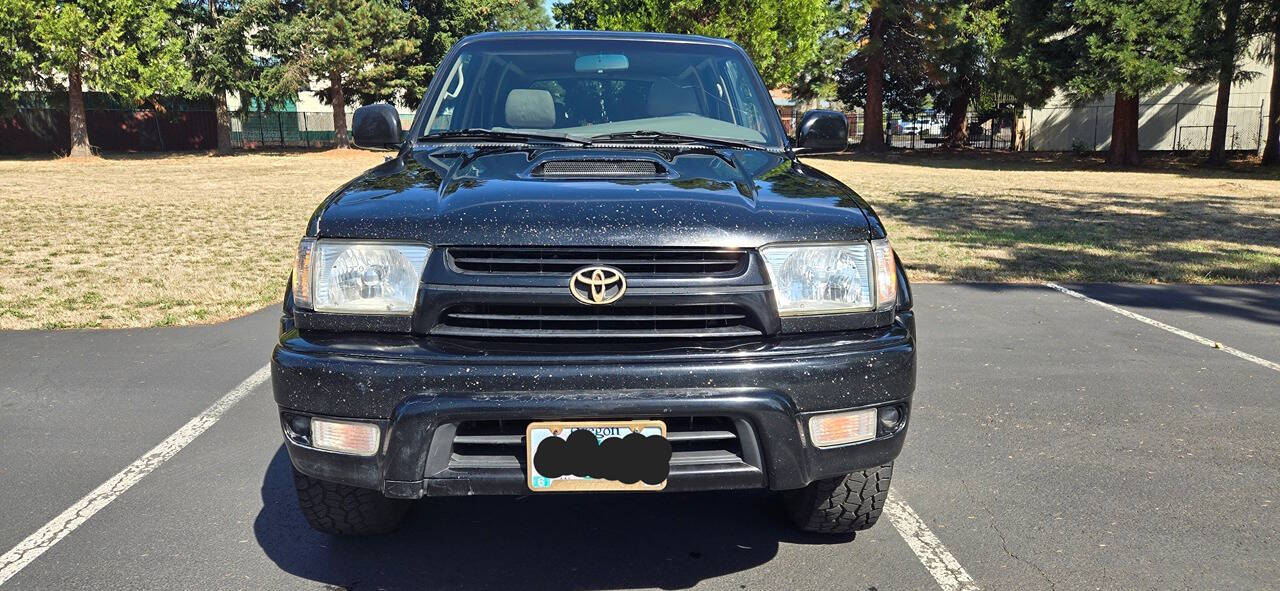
601,62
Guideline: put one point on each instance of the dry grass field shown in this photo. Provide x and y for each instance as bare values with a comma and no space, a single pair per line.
155,240
182,239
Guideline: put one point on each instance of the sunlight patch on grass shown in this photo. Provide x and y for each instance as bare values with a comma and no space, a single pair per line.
997,218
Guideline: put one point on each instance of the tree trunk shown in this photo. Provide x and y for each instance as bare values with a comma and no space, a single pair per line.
339,111
1271,154
957,124
220,113
1226,75
75,109
224,122
873,112
1124,132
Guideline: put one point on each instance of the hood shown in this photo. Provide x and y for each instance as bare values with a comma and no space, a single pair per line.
476,196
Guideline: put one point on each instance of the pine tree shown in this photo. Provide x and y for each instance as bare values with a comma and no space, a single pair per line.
435,25
512,15
781,36
354,45
219,57
1130,48
1223,33
18,52
1271,24
886,66
964,40
129,48
1124,48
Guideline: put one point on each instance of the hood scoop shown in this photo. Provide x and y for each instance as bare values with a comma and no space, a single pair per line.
599,168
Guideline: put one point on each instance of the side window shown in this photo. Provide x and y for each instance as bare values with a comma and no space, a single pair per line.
716,93
746,107
443,119
450,99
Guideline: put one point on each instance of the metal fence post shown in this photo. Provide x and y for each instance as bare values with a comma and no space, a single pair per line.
1177,126
1260,108
1031,120
159,132
1095,128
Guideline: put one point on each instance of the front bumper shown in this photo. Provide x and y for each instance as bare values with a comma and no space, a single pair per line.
420,390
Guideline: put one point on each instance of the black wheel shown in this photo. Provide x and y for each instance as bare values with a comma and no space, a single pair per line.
343,510
843,504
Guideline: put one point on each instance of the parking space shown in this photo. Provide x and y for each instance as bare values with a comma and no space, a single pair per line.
1246,317
1054,444
77,406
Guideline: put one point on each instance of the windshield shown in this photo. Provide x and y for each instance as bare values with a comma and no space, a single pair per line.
602,87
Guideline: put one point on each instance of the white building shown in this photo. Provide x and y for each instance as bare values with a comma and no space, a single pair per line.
1179,117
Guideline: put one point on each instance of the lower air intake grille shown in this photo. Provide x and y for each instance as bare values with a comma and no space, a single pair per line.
500,444
536,322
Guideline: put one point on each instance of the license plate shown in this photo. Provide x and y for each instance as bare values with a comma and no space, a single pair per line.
597,455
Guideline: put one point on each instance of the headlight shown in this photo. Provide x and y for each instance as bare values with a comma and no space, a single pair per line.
831,279
352,277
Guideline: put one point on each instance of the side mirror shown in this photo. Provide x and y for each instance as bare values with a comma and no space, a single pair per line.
376,127
822,131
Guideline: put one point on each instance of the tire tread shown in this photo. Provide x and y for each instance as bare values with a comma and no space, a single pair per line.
339,509
843,504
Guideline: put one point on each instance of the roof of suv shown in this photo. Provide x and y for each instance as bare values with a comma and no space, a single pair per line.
616,35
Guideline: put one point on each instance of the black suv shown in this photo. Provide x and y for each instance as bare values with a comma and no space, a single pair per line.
594,264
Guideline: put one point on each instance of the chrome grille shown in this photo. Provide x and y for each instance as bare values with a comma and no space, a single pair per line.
634,262
577,321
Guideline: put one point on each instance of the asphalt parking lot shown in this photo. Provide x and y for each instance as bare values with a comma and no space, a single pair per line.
1055,444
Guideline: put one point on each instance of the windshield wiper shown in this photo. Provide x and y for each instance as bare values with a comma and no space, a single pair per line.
500,136
671,137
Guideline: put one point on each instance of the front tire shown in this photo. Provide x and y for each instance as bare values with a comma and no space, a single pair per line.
841,505
342,510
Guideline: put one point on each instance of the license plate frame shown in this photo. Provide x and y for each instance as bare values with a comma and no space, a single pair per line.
538,431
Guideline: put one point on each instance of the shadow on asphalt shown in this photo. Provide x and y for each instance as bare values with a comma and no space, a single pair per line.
1258,303
622,541
1255,303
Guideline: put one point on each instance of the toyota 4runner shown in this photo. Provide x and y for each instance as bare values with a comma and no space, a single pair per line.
594,263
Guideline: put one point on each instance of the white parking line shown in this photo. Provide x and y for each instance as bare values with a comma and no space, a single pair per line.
935,557
53,532
1173,329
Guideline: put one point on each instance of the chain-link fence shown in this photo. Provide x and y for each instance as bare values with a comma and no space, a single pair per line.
929,130
284,129
47,130
1176,126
